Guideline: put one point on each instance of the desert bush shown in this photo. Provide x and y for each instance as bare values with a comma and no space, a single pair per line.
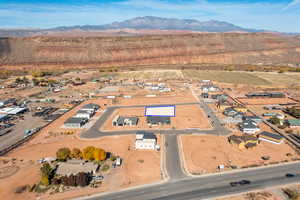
292,194
105,168
21,189
63,154
76,153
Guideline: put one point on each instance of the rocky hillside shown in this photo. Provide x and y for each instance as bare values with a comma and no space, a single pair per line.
221,48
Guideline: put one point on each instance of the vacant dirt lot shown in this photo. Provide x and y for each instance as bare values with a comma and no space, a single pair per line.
147,163
183,97
265,101
187,116
203,154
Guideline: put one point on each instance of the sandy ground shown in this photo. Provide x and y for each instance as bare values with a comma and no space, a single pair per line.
203,154
263,195
265,101
187,116
183,97
147,163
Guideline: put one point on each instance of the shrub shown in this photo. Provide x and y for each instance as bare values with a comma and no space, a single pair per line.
63,154
293,195
76,153
274,120
21,189
45,180
105,168
88,153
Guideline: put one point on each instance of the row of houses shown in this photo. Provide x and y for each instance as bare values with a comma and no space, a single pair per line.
133,121
249,141
82,116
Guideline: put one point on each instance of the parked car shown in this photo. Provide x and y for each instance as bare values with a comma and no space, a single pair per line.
98,178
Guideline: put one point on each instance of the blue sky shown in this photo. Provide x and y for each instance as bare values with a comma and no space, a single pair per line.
278,15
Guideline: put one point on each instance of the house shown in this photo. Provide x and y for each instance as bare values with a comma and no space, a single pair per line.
75,167
84,114
269,114
230,112
293,123
125,121
13,110
75,122
219,97
90,107
145,140
270,137
5,102
3,117
244,141
249,127
158,120
256,119
209,88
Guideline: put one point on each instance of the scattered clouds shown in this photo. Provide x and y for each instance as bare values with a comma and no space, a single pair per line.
272,15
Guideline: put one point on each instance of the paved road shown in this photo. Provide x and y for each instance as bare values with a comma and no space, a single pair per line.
173,164
94,131
209,186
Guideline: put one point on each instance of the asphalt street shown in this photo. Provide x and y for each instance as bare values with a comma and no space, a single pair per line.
94,131
173,164
211,186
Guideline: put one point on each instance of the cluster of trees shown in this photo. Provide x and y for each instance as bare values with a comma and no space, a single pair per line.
81,179
22,80
89,153
47,174
274,120
38,73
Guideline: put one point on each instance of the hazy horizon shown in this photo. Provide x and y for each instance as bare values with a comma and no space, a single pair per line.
280,15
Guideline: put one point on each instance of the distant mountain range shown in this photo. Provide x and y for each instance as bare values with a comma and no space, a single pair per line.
135,26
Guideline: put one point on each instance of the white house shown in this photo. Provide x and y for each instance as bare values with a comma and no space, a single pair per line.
145,140
249,127
84,114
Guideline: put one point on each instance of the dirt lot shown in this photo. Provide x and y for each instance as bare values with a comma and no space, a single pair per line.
265,101
148,163
203,154
183,97
187,116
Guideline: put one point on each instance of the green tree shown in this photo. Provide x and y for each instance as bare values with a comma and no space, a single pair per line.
63,154
46,169
99,154
45,180
76,153
274,120
37,73
47,174
88,153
